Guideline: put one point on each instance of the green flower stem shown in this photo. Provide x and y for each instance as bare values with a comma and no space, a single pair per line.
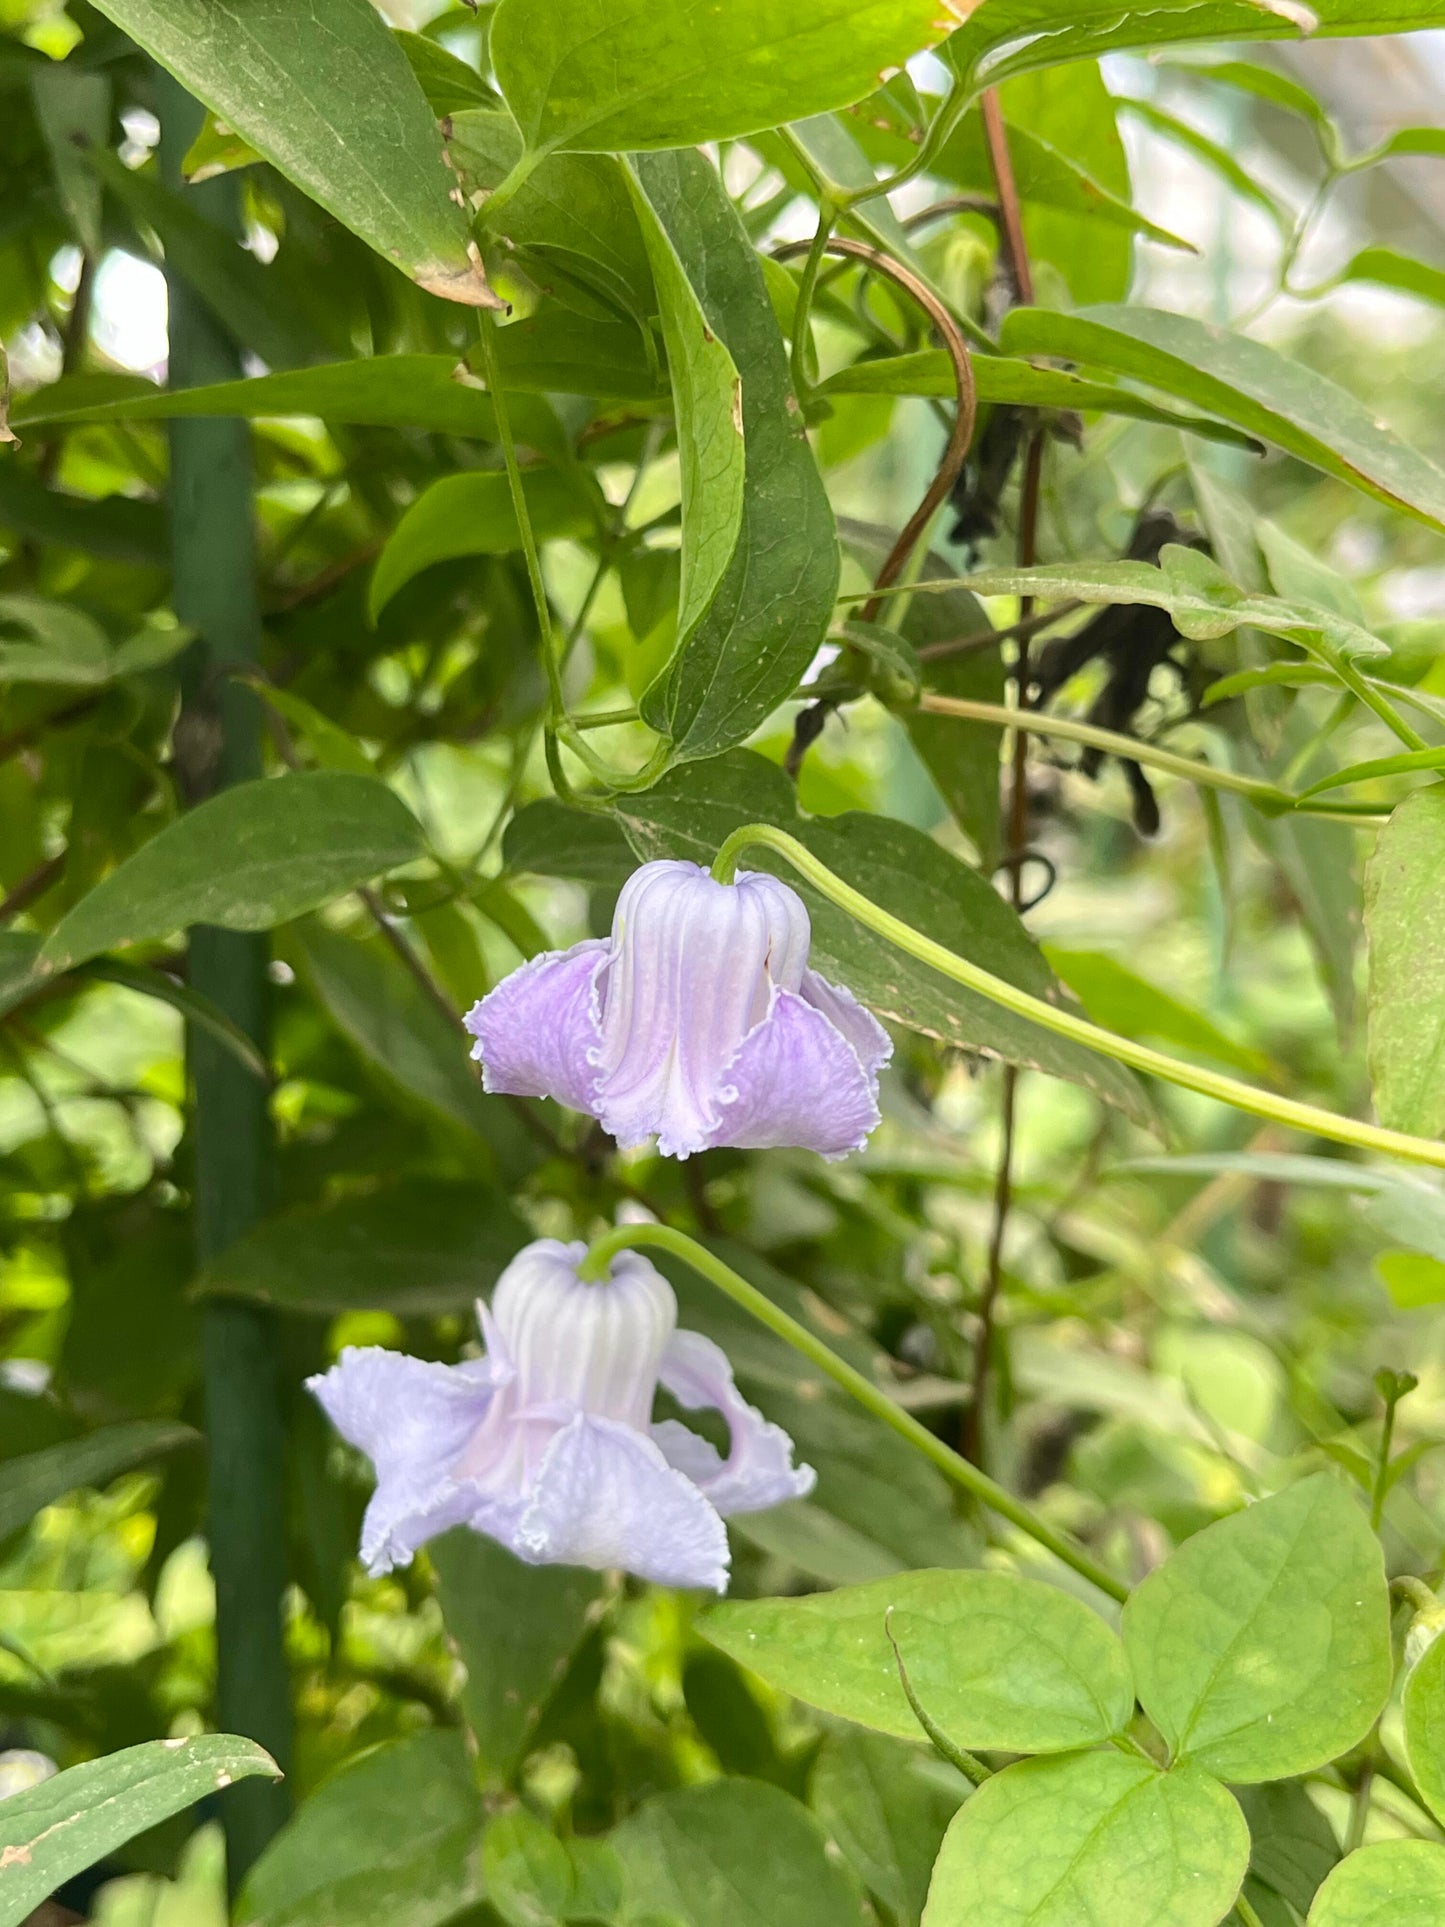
807,289
1246,1913
871,1397
1139,1057
1267,796
1369,694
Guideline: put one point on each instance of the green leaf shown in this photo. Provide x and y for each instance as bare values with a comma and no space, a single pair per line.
419,1248
998,1662
549,839
707,396
331,101
526,1869
1202,600
381,1007
880,1801
1233,172
572,221
1405,763
73,106
216,150
516,1628
1411,1278
772,604
62,647
388,391
450,85
1014,36
1261,1648
1423,1705
1405,922
1397,1883
18,976
1093,1837
331,745
1388,268
64,1825
734,1851
688,814
114,526
1260,390
1006,378
389,1840
1294,1844
472,514
38,1479
1268,83
1065,120
254,856
609,75
1118,999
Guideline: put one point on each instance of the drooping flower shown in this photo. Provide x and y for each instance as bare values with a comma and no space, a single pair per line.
547,1443
698,1022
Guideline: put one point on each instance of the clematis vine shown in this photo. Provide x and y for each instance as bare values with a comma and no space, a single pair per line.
697,1022
547,1443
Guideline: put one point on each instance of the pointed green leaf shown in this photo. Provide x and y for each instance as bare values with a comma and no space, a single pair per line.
38,1479
66,1824
773,602
254,856
613,75
1258,388
516,1628
328,97
734,1851
388,1840
1261,1648
882,1803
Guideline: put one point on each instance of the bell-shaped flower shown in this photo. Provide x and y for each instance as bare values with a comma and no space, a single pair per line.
697,1021
547,1443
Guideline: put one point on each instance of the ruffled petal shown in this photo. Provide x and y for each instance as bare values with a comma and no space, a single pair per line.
796,1080
758,1471
413,1419
871,1043
605,1496
539,1031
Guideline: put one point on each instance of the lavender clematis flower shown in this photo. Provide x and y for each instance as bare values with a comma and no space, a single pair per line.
698,1021
547,1443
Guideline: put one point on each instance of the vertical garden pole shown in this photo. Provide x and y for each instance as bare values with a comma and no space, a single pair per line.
218,742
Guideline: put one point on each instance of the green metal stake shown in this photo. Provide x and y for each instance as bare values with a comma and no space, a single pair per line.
218,743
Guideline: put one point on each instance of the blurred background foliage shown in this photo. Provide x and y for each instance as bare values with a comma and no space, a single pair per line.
1170,1334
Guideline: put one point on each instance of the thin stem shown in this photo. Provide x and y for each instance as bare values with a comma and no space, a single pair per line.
955,105
807,289
1369,694
961,434
486,334
1266,795
1011,221
968,1764
1139,1057
872,1398
980,639
1247,1913
1360,1808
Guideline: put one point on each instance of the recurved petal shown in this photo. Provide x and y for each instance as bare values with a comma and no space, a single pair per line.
862,1029
412,1418
796,1080
758,1471
538,1032
605,1496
